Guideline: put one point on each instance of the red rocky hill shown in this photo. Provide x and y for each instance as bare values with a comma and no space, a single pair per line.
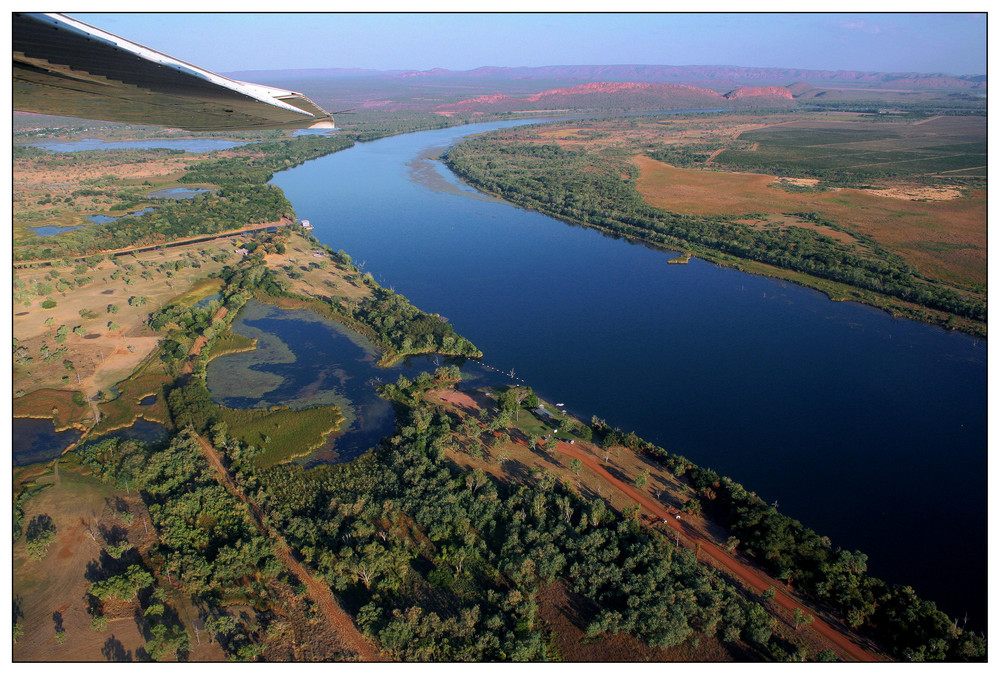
622,95
760,93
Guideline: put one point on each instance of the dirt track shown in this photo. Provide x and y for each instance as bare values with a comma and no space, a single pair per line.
319,591
842,644
750,576
246,229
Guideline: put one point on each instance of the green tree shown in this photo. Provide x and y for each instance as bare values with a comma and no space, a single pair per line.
40,534
642,479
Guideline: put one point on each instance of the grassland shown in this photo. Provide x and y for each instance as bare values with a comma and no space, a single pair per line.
866,149
944,238
59,405
282,433
49,593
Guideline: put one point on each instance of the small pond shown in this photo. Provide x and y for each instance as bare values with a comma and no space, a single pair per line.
36,440
178,192
141,430
51,230
208,300
96,219
304,360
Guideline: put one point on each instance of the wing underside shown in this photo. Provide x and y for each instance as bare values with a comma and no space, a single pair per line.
65,67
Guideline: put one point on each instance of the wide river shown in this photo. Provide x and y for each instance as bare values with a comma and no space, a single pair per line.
870,430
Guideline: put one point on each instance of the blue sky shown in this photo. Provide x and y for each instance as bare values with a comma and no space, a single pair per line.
928,43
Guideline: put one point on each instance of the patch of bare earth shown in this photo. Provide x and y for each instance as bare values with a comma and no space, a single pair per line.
51,593
300,633
104,354
567,614
33,179
944,238
917,193
313,273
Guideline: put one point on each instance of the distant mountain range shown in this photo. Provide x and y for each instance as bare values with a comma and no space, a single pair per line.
714,77
612,88
612,95
726,74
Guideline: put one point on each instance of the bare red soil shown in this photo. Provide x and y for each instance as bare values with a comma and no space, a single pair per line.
756,579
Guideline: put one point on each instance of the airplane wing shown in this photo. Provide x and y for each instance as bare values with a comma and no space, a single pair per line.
65,67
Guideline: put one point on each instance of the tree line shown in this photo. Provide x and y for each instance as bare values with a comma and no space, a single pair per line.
911,628
599,190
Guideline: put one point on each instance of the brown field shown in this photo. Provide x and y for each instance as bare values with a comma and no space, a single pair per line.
33,179
51,592
320,275
940,229
672,130
944,238
101,356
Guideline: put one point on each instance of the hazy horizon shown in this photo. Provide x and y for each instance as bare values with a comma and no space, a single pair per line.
927,43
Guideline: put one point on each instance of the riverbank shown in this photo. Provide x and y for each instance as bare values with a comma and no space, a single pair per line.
851,244
636,478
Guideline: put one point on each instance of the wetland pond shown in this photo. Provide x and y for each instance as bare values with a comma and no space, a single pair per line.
304,360
36,440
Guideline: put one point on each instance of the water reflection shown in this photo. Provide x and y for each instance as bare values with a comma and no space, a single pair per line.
36,440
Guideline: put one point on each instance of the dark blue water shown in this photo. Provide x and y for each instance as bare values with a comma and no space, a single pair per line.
197,145
97,219
51,230
141,430
36,440
870,430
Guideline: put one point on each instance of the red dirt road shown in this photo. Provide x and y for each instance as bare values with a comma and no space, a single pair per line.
752,577
319,591
200,238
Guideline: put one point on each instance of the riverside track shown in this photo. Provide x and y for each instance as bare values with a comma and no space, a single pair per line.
703,545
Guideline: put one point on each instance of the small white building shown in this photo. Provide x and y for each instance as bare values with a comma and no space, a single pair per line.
305,224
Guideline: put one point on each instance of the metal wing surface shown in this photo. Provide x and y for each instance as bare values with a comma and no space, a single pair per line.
65,67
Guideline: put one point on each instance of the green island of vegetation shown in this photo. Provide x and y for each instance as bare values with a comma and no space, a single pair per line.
470,533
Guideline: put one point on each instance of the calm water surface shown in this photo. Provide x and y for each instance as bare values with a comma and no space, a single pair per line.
178,192
869,429
304,360
36,440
